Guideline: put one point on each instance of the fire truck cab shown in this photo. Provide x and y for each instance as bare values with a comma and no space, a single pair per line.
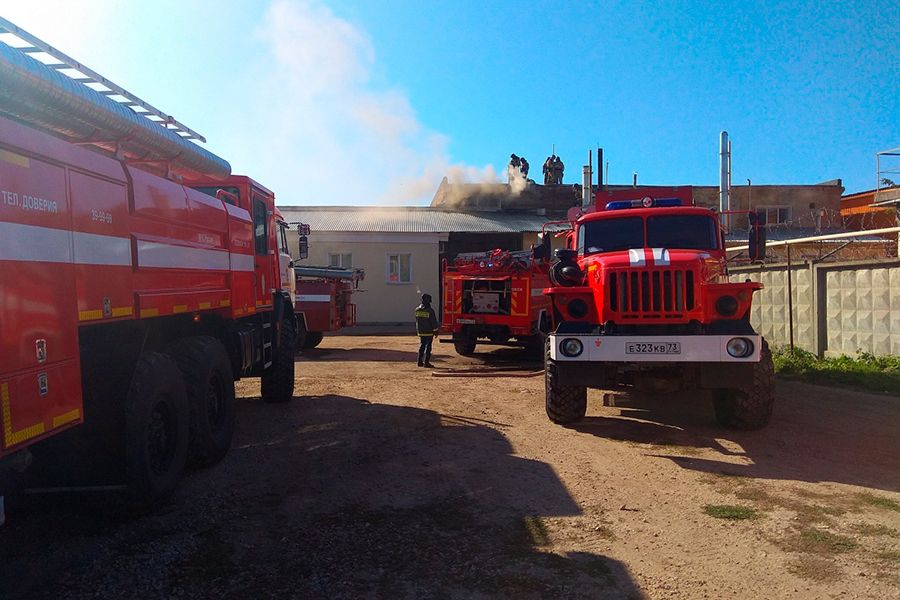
496,297
641,299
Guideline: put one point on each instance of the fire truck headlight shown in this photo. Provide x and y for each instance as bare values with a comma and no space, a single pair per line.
739,347
571,347
726,305
577,308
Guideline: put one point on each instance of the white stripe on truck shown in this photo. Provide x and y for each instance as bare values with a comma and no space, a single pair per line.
30,243
313,298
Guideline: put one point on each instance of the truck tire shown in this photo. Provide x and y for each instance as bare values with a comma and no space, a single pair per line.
156,430
750,406
278,379
464,348
313,339
565,403
209,383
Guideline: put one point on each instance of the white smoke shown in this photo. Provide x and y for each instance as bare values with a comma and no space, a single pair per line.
332,136
298,111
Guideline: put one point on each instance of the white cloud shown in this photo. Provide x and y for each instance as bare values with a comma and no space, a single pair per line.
330,135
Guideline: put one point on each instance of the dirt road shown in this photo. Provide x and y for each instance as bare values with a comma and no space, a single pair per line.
382,481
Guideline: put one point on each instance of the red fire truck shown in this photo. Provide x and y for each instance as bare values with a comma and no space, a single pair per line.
641,298
496,297
324,301
138,281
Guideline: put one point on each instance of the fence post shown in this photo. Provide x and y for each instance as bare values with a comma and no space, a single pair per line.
819,279
790,291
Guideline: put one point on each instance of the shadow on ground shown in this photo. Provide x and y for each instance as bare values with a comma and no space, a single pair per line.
328,497
816,434
361,355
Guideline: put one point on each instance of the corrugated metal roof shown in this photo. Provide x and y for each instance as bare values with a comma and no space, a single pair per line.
411,220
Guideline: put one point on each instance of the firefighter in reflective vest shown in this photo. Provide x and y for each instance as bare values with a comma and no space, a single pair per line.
426,328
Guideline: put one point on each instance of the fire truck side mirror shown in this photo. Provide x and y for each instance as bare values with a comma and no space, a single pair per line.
757,242
302,229
303,248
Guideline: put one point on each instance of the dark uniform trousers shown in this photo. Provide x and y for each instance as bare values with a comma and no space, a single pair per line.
426,324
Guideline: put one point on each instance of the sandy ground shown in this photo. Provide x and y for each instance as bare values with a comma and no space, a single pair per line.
381,481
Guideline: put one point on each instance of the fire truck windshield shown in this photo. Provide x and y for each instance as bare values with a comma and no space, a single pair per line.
687,232
609,235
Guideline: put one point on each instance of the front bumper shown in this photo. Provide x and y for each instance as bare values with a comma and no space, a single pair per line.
653,349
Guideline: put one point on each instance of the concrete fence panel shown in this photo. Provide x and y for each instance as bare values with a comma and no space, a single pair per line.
839,308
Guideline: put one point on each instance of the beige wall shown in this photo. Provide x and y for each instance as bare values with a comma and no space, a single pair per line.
381,302
804,200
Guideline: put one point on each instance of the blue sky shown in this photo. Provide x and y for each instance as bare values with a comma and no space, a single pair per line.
373,102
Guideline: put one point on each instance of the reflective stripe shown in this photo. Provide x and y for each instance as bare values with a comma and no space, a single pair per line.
660,257
34,244
426,335
30,243
314,298
66,417
636,257
15,159
423,314
243,263
93,249
169,256
15,437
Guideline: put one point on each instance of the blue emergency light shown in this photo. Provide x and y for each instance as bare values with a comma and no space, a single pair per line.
645,202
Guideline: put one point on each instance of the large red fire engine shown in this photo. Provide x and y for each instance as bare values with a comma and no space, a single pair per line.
139,281
496,297
324,301
641,298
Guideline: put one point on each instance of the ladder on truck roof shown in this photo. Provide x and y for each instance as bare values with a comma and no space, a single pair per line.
65,64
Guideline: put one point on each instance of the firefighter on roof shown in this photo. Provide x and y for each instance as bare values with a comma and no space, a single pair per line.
426,328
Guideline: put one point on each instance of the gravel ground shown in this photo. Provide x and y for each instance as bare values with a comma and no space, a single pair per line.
381,481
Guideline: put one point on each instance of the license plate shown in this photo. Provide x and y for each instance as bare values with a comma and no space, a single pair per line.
653,348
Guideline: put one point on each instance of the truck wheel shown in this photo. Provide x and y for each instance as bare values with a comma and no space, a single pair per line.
156,429
464,348
749,407
313,339
565,403
209,384
278,379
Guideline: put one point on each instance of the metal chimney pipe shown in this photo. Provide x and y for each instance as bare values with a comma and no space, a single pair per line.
599,168
724,175
586,179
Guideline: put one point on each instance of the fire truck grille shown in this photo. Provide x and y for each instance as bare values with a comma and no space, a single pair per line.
667,293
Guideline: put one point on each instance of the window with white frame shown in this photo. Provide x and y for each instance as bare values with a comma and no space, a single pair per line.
399,268
775,214
344,261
